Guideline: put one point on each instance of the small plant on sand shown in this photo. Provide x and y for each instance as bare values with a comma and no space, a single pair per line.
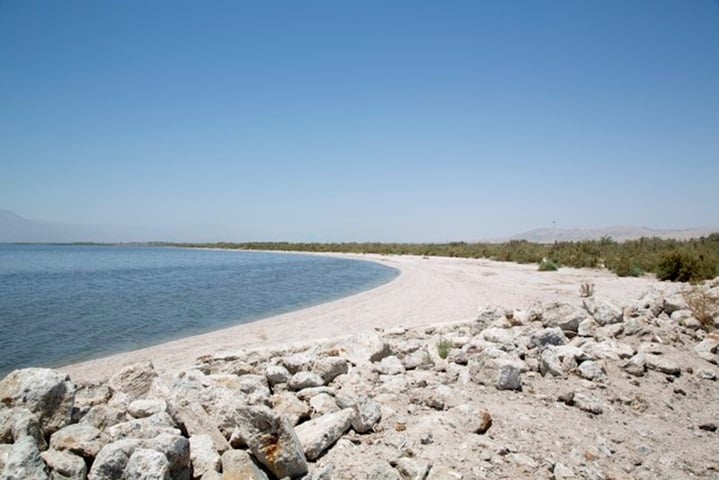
704,306
586,290
547,265
443,348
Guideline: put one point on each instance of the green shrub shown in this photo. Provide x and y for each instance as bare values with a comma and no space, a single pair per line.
679,267
547,265
443,348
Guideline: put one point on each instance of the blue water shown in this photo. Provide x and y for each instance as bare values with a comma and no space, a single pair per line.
63,304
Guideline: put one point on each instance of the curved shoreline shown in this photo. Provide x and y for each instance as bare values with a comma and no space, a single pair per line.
426,291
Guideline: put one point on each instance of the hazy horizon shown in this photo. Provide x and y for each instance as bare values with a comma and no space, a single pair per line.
387,121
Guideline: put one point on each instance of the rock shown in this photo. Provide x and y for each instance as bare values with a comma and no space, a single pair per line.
603,312
708,427
366,347
563,472
322,404
422,359
636,365
412,469
110,463
484,422
301,380
238,465
291,407
318,434
591,370
587,327
563,315
104,416
300,362
276,374
673,303
382,471
24,461
548,336
81,439
390,365
502,373
134,381
708,349
488,315
146,407
18,422
204,456
64,465
197,422
366,414
442,473
176,449
149,427
588,403
146,464
272,441
502,336
330,368
608,350
48,394
551,364
661,364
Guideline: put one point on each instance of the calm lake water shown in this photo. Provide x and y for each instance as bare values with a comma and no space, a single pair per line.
63,304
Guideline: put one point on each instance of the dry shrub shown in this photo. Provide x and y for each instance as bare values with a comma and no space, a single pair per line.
586,290
704,305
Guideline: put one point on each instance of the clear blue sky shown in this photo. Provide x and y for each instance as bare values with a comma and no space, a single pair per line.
361,120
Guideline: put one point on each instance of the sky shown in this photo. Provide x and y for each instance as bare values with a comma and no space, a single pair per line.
361,120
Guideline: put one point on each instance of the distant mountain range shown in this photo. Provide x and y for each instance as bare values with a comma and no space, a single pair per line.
617,233
14,228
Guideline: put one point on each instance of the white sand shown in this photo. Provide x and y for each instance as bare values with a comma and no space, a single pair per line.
428,291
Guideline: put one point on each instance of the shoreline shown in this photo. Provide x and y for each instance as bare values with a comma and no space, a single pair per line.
427,291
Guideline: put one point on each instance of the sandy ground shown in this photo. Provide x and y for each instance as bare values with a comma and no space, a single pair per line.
427,291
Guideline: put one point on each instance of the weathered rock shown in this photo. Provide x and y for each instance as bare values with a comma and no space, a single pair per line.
197,422
205,457
146,407
330,368
708,349
587,327
563,472
382,471
663,365
366,347
564,316
608,350
367,413
238,465
276,374
176,449
588,403
439,472
390,365
24,461
18,422
110,463
322,404
81,439
301,380
291,407
149,427
672,303
551,364
300,362
64,465
548,336
319,434
104,416
412,468
422,359
502,373
48,394
146,464
636,365
272,441
134,380
603,312
502,336
483,423
591,370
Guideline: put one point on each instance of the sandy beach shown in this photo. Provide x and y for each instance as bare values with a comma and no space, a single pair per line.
427,291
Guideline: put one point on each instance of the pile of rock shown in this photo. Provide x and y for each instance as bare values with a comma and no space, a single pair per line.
586,390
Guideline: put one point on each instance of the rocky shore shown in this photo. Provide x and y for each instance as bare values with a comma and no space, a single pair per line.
587,390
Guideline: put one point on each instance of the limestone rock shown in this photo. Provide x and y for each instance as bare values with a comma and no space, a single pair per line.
48,394
322,404
563,315
300,362
636,365
412,469
197,422
24,462
591,370
277,374
502,336
134,381
603,312
81,439
149,427
146,407
18,422
367,413
390,365
146,464
663,365
366,347
64,465
272,441
205,457
110,463
301,380
550,364
104,416
176,449
502,373
330,368
291,407
588,403
708,349
382,471
548,336
319,434
238,465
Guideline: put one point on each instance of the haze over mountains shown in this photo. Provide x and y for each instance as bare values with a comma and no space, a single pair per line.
14,228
